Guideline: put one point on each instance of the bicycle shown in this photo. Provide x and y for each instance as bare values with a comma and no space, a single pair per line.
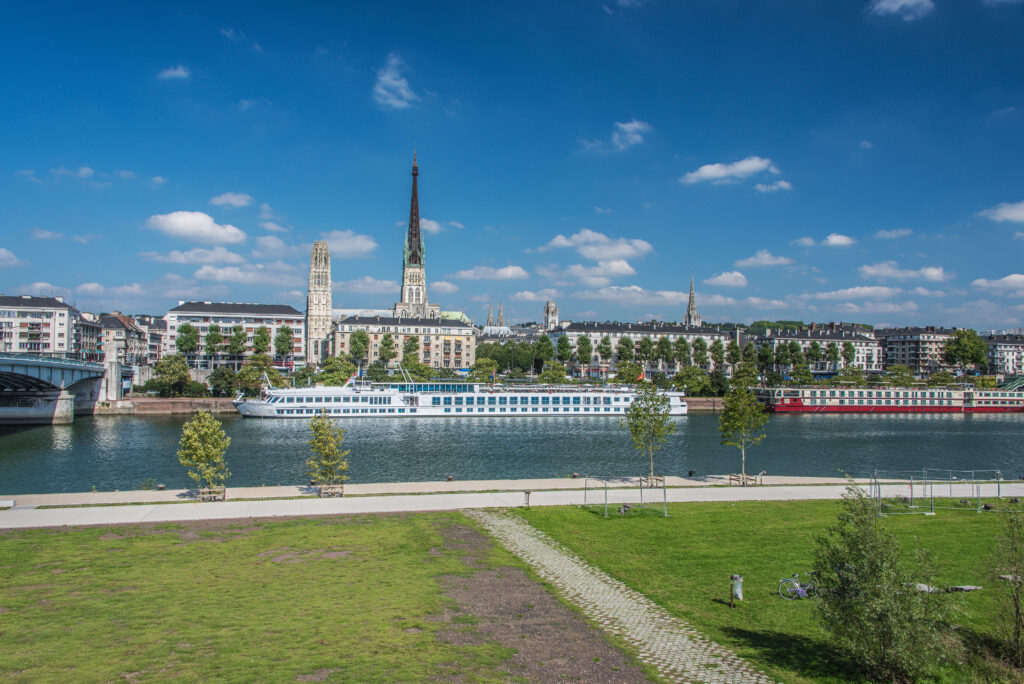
791,588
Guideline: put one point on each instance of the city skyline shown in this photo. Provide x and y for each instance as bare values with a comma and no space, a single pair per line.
856,162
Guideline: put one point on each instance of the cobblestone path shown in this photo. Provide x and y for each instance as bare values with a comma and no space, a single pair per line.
673,646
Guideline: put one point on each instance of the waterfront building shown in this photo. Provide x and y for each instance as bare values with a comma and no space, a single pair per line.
124,339
1005,353
318,302
868,350
652,330
44,325
156,332
89,338
415,303
692,318
920,349
229,314
550,316
443,343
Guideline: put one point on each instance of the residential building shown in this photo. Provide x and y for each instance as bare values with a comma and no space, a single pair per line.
89,338
124,338
318,302
156,334
653,330
920,349
868,350
39,325
442,343
1005,353
227,315
415,303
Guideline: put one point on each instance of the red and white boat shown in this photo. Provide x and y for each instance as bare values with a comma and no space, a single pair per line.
889,400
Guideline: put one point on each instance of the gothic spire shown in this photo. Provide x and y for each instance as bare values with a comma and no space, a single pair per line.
692,317
501,315
490,315
414,245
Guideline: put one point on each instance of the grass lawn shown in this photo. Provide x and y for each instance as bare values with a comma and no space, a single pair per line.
353,598
683,563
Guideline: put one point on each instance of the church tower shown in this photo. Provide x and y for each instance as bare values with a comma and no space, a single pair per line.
414,302
692,318
318,303
501,315
490,316
550,316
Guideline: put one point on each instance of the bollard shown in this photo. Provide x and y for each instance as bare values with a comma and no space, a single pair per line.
735,589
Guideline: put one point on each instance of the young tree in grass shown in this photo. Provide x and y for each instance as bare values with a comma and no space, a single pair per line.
717,351
742,423
187,340
625,350
664,352
683,352
201,450
849,353
733,354
327,463
284,341
700,353
832,354
214,340
584,351
411,349
1008,562
867,602
965,349
261,340
648,421
236,343
386,351
358,346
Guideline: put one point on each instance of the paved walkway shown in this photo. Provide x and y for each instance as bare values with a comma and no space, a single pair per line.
673,646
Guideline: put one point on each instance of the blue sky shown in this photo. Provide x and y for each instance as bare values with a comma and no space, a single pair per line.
819,161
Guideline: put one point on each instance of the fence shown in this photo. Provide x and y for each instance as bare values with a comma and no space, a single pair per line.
924,491
596,491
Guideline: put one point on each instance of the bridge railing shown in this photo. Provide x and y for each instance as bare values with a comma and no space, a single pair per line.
65,359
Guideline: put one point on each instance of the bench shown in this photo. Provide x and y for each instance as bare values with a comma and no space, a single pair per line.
652,482
332,490
742,480
213,494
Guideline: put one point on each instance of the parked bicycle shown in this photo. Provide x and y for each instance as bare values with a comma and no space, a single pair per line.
791,587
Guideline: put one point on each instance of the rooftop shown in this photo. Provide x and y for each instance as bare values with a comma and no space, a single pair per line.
388,320
237,308
35,302
654,327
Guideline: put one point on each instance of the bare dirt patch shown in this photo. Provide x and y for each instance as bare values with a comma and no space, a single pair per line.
320,675
503,605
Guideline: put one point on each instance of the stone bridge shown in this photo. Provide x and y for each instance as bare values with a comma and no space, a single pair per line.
50,390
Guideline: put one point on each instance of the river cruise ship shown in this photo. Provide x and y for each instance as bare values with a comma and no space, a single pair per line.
890,400
407,399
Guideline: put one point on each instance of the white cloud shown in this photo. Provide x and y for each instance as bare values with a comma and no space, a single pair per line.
1006,212
925,292
30,174
40,234
1019,235
392,89
125,174
454,224
761,303
82,172
774,187
94,289
430,226
8,260
539,296
803,242
866,145
634,295
598,246
763,258
728,279
198,256
601,210
231,199
89,289
908,10
195,226
367,285
178,72
837,240
893,234
509,272
726,173
85,239
346,244
157,181
444,287
42,289
891,270
860,292
273,227
267,213
271,246
1011,285
626,134
601,274
277,273
877,307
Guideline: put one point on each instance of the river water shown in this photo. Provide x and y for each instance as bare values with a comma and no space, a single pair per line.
120,452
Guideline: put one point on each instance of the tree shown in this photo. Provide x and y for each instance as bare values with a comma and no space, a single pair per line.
584,351
648,421
187,341
700,352
327,464
172,374
645,351
664,352
543,349
765,358
334,371
899,375
484,370
849,353
214,340
745,375
625,350
303,377
692,380
851,376
255,372
717,350
733,355
867,603
236,343
222,382
832,354
261,340
814,353
965,349
782,356
628,373
683,352
742,423
802,375
564,349
201,450
796,356
604,349
411,349
553,373
358,346
386,351
284,341
1008,561
377,372
941,378
749,352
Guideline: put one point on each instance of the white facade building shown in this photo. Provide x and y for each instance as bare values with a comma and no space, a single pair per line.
229,314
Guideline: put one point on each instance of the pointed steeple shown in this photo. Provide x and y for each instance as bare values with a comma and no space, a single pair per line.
490,316
414,241
501,315
692,317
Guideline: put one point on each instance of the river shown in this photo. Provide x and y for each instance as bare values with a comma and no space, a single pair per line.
121,452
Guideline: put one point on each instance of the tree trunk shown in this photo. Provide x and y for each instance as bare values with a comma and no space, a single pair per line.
743,465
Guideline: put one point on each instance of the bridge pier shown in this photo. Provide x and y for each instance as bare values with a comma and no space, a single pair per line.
37,408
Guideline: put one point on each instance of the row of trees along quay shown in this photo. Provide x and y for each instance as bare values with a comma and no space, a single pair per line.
231,342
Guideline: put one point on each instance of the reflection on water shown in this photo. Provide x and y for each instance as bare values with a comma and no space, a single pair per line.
119,452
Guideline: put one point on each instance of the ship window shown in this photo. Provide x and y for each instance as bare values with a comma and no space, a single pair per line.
447,410
435,401
514,401
535,401
503,400
458,402
491,410
545,400
556,401
576,400
490,400
607,400
447,402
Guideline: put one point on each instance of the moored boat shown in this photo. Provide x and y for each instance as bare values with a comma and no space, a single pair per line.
889,400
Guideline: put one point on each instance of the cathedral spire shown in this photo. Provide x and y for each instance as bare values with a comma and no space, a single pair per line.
490,315
692,317
414,243
501,315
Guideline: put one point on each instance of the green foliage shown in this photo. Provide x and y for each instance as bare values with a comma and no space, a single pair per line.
484,370
628,373
868,604
604,349
648,421
214,340
814,353
625,349
187,340
387,350
850,376
663,351
760,327
543,349
782,355
196,389
334,372
717,351
236,343
940,378
250,378
553,373
443,373
693,380
733,354
172,374
683,353
797,357
584,350
745,375
358,346
700,352
377,372
849,353
284,341
965,349
420,372
749,353
261,340
832,354
411,348
327,463
765,357
222,382
1008,561
645,350
201,450
898,375
563,349
742,422
718,383
802,376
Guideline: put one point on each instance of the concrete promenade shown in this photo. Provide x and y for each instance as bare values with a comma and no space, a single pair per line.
94,508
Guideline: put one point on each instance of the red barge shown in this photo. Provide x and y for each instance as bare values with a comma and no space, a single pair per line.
889,400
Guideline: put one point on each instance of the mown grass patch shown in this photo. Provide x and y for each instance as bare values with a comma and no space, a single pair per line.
684,562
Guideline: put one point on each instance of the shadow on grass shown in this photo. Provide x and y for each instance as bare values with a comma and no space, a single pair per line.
812,658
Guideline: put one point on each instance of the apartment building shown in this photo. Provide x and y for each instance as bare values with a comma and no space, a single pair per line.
226,315
443,343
